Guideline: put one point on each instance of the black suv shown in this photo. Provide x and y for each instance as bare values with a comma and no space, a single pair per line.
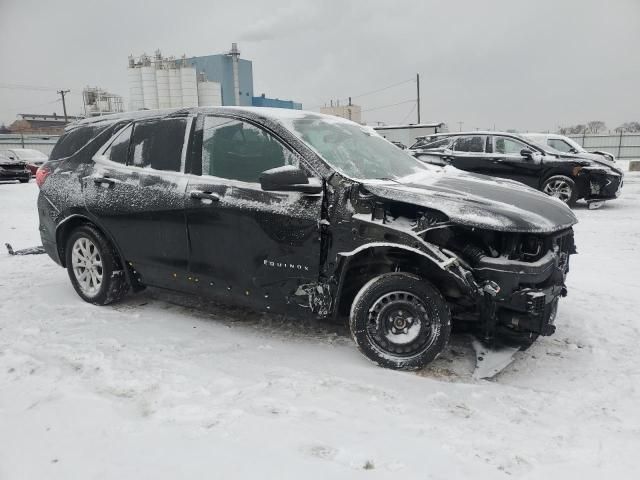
297,212
569,177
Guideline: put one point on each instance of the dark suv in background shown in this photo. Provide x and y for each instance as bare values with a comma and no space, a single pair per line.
13,169
293,211
569,177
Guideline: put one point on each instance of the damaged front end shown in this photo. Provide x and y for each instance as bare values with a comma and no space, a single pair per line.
507,283
520,277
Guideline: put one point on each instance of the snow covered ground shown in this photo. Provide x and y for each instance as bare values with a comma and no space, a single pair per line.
163,386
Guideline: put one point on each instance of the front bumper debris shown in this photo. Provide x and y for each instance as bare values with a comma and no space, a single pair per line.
532,310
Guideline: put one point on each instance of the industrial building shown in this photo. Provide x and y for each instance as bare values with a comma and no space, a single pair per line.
350,111
97,101
159,82
41,123
211,80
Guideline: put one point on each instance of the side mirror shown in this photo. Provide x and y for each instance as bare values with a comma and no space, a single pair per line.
526,153
288,179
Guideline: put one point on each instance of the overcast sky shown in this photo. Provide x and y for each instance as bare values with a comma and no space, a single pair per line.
529,65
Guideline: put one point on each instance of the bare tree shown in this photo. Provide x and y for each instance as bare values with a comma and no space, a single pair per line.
630,127
596,126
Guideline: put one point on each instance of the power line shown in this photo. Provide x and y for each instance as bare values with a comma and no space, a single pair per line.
408,115
371,92
387,106
383,88
22,86
24,109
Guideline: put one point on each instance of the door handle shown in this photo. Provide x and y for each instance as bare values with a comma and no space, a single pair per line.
200,195
104,180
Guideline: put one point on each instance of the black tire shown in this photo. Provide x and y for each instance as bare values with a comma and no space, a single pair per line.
113,282
561,187
395,300
24,180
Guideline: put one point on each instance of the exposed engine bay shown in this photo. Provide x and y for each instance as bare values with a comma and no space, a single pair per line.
513,279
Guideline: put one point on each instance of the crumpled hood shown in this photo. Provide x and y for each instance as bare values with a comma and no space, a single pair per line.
479,201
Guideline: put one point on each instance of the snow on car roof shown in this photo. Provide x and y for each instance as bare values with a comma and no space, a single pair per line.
281,115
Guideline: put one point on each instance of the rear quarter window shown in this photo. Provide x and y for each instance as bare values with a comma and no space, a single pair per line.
74,140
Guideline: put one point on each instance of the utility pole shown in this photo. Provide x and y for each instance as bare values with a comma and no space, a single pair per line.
64,105
418,90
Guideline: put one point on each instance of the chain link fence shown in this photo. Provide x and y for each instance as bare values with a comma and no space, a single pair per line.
625,146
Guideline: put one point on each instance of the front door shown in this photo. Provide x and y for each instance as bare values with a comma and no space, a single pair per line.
136,190
252,246
507,161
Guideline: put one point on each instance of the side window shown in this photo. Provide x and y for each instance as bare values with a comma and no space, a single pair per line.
117,151
237,150
158,144
560,145
509,146
473,144
438,144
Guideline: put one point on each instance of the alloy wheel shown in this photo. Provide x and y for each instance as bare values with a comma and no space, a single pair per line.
87,266
560,189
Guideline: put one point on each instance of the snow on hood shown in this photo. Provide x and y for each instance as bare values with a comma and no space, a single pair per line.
480,201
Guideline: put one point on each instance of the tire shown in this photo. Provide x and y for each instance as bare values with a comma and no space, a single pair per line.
562,188
104,283
383,321
24,180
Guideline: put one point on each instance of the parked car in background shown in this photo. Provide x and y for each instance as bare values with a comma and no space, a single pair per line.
569,177
12,169
33,158
567,145
293,211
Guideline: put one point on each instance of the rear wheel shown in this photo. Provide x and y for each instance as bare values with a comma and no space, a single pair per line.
400,321
562,188
94,268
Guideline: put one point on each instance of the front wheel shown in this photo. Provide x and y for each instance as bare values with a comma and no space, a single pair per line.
94,268
400,321
562,188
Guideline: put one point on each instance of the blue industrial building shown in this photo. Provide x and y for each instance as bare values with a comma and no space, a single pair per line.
263,101
220,68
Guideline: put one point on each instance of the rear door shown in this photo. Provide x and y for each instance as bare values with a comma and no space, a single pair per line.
468,153
136,189
435,152
256,247
507,161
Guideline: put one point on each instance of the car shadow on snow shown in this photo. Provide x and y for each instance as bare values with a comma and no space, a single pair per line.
456,363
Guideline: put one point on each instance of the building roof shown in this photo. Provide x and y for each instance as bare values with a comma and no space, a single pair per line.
410,125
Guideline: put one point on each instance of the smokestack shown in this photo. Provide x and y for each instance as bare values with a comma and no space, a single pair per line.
235,55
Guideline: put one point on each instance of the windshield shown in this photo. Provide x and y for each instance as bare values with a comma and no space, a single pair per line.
355,151
574,144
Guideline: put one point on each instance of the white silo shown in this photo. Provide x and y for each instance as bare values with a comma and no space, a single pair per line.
162,80
149,87
209,94
136,101
189,86
175,88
